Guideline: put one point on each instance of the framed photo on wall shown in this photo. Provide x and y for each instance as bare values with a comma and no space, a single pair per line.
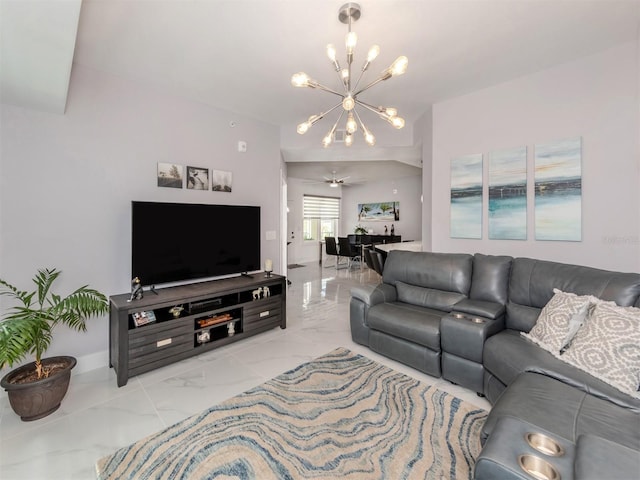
169,175
221,181
197,178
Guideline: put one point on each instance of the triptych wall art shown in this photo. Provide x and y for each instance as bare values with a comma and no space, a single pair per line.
557,193
197,178
466,197
508,194
559,190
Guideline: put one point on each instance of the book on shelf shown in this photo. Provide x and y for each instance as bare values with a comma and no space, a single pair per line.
143,318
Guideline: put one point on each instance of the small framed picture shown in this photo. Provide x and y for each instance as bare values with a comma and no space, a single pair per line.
221,181
143,318
197,178
169,175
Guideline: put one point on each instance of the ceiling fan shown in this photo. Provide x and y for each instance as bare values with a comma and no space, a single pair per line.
334,181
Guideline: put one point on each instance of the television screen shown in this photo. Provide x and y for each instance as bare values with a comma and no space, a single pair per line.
174,242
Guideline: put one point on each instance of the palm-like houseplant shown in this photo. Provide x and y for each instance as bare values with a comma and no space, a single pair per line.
36,389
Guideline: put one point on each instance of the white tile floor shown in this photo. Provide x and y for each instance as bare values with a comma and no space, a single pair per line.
97,417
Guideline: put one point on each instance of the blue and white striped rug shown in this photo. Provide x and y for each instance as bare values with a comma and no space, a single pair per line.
339,416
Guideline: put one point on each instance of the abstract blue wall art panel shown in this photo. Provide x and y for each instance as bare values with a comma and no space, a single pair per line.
558,197
508,194
466,197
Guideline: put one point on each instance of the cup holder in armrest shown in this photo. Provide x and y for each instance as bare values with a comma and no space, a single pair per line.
543,444
538,468
458,315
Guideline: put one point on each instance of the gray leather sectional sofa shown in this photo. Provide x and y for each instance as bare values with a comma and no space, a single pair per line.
460,316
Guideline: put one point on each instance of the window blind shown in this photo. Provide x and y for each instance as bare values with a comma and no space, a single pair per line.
321,207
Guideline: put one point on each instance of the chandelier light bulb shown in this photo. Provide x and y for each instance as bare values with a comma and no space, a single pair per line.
348,103
352,125
326,141
331,52
344,73
348,139
303,128
351,41
397,122
369,138
391,111
373,53
300,79
399,66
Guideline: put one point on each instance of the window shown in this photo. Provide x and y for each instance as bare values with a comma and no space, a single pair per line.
320,217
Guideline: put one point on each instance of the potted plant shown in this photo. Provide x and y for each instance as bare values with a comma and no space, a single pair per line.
360,230
37,388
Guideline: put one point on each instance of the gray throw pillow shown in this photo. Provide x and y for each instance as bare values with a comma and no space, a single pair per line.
558,319
608,346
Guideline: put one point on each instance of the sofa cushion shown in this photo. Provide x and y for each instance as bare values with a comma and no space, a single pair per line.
608,346
449,272
490,278
565,411
597,458
559,320
531,284
507,354
409,322
427,297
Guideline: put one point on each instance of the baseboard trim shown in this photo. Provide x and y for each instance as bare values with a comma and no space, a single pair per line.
92,361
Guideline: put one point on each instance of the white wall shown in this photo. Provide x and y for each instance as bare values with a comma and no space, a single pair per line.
406,190
424,136
595,98
68,181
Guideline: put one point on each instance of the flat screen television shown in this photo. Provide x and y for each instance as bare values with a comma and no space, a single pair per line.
174,242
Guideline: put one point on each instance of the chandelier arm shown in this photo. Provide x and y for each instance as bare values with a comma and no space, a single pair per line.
358,81
335,125
330,110
362,125
327,89
375,82
328,139
368,136
368,107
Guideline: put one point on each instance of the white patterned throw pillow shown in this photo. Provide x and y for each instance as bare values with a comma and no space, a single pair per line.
559,320
608,346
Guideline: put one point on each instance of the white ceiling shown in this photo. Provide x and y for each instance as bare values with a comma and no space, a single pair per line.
358,172
239,55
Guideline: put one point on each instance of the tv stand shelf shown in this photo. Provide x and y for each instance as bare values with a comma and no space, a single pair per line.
208,315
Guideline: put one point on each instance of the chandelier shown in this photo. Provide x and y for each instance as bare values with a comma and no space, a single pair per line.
349,13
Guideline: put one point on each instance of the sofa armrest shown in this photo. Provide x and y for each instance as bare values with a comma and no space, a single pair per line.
373,295
480,308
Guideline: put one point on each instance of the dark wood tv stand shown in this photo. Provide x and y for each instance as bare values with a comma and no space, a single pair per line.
213,314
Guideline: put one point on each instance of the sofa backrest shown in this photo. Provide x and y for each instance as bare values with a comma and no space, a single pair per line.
532,282
490,279
449,272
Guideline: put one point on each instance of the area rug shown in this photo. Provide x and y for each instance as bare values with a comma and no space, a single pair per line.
340,416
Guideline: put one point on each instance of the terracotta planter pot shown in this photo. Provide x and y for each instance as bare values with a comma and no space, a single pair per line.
37,399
